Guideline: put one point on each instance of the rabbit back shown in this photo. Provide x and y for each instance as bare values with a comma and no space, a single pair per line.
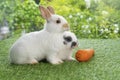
34,45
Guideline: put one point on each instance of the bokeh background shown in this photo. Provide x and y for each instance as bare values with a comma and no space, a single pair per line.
88,18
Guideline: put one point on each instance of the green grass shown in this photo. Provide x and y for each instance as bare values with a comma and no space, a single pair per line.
105,65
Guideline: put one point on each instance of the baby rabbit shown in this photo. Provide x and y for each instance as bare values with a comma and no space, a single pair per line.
69,43
45,44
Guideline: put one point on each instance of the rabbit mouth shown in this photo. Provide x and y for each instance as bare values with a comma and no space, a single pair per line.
74,45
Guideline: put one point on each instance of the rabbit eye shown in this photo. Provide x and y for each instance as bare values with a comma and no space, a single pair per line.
58,21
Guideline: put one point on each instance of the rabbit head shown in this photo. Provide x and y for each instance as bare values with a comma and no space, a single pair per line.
54,23
70,40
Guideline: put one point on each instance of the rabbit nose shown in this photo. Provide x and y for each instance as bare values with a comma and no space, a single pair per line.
73,44
65,25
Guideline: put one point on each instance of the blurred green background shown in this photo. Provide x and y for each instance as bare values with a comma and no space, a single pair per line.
88,18
97,22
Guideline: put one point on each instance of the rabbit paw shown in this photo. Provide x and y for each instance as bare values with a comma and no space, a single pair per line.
33,61
56,62
71,59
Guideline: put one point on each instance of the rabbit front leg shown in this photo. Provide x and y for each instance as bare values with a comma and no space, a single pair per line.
53,58
70,58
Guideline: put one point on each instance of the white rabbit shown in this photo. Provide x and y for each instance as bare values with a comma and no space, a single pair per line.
35,46
69,43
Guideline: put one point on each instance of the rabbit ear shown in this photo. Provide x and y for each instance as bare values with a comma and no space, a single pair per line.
44,12
51,9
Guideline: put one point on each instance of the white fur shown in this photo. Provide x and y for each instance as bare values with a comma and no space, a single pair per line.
65,53
35,46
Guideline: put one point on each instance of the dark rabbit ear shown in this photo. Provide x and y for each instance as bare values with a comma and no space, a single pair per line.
51,9
44,12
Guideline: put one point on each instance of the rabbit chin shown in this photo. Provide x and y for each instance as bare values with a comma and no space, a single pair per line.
66,29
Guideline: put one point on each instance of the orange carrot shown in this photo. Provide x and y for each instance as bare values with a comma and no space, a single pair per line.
84,55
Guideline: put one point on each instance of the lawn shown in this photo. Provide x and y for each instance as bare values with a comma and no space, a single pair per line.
105,65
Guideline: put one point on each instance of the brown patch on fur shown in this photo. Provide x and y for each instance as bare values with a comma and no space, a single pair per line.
66,25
